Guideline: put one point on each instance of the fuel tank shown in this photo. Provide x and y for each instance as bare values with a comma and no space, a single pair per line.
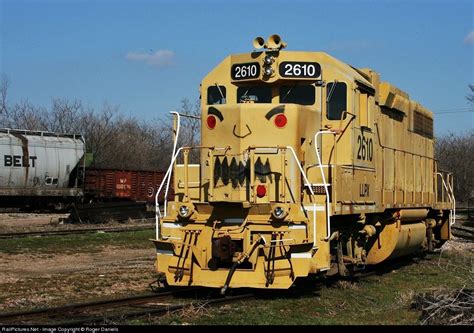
405,234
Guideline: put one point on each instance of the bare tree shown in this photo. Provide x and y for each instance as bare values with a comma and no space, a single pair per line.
455,154
99,131
161,133
190,127
470,96
3,95
66,116
24,115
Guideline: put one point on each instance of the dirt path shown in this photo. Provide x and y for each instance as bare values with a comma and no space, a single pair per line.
44,280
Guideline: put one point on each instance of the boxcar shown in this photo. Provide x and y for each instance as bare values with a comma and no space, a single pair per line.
117,185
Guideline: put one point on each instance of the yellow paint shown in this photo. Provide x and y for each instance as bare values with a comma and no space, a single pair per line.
377,158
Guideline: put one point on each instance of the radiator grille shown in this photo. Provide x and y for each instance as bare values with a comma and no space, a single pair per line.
423,125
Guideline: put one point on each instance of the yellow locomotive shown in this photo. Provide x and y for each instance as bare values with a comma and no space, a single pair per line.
307,166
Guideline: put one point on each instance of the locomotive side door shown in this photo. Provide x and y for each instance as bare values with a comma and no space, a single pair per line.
363,154
338,115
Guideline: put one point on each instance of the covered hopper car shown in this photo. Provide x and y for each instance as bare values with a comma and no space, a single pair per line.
40,168
309,166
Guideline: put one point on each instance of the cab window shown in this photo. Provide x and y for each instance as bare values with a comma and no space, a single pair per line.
254,94
336,96
216,95
303,95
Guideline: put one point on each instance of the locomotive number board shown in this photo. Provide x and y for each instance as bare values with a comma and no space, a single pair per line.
299,69
246,71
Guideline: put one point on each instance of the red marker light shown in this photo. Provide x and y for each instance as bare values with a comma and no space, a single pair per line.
280,120
211,122
261,191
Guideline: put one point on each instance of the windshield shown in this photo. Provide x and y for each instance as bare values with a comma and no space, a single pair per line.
254,94
298,94
216,95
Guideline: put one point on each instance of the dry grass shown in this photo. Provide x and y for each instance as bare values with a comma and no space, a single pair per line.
446,307
450,306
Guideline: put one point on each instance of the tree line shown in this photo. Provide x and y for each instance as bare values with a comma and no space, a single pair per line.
455,153
124,142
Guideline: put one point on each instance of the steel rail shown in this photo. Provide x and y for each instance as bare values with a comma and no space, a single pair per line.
162,309
111,302
81,313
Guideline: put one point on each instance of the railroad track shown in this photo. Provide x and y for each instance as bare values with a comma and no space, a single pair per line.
108,310
463,232
111,311
73,231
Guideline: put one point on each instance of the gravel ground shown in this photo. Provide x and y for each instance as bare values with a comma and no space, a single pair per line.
24,222
34,278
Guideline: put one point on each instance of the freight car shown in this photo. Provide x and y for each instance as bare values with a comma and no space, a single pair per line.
308,166
123,185
118,195
40,169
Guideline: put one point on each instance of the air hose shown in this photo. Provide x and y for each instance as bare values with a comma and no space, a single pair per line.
243,258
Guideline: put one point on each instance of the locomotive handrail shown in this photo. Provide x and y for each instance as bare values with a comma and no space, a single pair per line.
307,183
450,194
187,115
176,129
157,205
168,174
317,149
167,177
175,156
450,185
175,143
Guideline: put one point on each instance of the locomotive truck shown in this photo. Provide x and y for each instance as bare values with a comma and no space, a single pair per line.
307,166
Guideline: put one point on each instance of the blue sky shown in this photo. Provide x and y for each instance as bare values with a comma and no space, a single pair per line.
145,56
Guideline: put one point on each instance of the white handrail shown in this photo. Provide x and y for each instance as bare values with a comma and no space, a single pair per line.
307,183
450,193
178,126
168,174
157,205
328,225
454,204
166,179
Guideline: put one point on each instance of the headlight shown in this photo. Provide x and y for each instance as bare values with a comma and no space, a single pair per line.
268,60
268,71
279,212
184,211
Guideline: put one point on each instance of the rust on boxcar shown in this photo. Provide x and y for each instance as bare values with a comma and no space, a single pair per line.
113,184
